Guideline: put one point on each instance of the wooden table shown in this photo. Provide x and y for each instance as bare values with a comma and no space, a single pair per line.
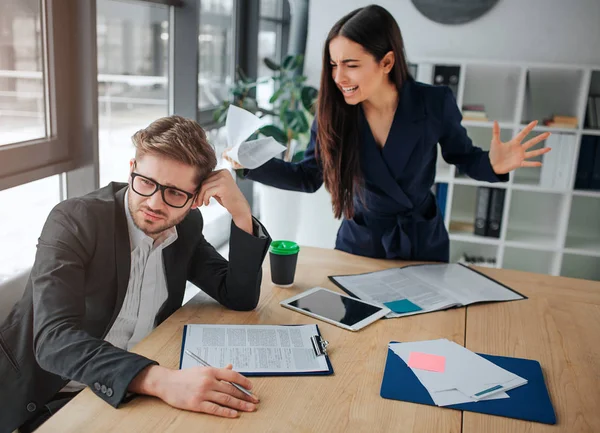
559,325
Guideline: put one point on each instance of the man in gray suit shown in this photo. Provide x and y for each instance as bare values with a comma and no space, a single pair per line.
112,265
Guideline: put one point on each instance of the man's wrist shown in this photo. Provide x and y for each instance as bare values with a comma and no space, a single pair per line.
243,221
150,381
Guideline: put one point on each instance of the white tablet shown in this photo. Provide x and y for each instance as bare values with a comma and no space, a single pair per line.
332,307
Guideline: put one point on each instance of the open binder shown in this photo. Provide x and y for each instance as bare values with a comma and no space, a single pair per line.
423,288
258,350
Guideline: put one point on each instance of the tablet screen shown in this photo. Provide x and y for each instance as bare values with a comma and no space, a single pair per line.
347,311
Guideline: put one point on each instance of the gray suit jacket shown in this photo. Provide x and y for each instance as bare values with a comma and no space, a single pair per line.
75,292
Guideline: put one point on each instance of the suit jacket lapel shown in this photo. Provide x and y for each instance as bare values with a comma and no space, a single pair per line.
382,167
406,131
122,252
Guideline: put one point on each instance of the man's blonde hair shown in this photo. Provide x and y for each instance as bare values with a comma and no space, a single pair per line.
180,139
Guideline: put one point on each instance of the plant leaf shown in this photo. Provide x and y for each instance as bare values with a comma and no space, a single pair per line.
288,62
271,64
297,61
298,156
300,125
242,75
276,95
309,98
274,131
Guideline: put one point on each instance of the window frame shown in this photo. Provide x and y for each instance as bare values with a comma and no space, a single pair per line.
62,61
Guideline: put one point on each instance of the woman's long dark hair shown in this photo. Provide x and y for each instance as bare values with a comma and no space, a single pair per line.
338,134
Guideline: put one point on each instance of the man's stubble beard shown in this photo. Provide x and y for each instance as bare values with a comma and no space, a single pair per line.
135,213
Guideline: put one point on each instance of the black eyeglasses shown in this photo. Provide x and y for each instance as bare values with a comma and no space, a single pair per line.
172,196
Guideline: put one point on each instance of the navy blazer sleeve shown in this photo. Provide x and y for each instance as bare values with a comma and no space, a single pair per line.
304,176
458,149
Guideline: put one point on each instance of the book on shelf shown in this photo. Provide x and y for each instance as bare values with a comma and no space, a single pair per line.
595,178
557,121
474,112
588,153
441,196
482,207
597,104
461,227
488,211
591,119
557,165
494,221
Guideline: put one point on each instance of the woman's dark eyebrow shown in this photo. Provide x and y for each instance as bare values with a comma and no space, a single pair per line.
346,60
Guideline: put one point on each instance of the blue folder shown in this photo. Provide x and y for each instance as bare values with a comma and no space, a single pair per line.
327,372
529,402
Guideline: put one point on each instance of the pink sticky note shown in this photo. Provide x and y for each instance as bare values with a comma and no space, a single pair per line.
425,361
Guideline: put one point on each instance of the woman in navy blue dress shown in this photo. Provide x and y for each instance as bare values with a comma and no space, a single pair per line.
374,144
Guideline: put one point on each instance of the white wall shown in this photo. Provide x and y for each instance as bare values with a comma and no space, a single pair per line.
561,31
554,31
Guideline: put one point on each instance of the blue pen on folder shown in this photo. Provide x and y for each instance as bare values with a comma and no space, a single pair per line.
206,364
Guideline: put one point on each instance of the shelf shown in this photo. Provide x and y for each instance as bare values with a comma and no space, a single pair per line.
532,240
463,205
443,179
583,232
577,266
543,128
586,193
487,124
551,92
522,259
583,246
534,220
532,185
464,180
493,86
590,131
473,239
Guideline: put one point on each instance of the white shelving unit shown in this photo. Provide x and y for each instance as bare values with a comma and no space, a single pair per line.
544,230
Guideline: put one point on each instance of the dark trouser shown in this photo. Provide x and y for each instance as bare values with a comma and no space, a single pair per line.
49,409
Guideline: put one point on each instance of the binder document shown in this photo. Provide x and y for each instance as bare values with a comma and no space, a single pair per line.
258,350
417,289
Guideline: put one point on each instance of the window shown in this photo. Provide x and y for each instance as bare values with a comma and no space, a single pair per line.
42,107
133,58
22,222
22,100
272,43
216,48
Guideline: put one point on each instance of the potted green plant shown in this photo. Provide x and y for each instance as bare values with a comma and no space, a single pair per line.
293,105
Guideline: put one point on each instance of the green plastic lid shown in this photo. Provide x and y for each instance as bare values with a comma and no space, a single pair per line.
284,248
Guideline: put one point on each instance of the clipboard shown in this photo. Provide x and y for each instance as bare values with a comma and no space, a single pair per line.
318,343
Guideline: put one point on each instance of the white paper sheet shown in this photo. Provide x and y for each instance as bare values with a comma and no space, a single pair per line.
240,125
465,373
254,348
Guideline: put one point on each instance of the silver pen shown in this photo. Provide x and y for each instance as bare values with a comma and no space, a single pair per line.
206,364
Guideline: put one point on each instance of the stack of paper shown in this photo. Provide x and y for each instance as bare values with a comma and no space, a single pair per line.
453,374
240,125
